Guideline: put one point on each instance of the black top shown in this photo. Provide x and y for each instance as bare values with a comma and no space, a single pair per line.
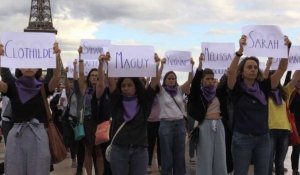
134,133
250,116
295,109
103,108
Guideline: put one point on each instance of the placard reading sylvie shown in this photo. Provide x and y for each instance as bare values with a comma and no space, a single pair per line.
28,50
294,60
88,65
217,55
131,61
178,61
264,41
92,48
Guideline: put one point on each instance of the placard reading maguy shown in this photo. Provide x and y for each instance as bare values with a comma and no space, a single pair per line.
264,41
218,55
88,65
294,59
91,49
131,61
178,61
28,50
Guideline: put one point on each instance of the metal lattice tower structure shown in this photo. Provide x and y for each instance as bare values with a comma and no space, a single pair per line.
40,19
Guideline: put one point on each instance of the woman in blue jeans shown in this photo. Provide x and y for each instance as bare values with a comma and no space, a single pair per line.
249,94
172,129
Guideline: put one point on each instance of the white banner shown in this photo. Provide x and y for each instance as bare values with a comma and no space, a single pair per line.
88,65
218,55
294,60
178,61
264,41
28,50
131,61
91,49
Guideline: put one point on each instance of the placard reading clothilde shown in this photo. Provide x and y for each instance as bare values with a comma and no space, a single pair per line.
264,41
28,50
131,61
294,60
217,55
92,48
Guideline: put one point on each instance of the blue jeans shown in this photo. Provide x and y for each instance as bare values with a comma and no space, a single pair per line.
172,146
279,144
128,160
245,147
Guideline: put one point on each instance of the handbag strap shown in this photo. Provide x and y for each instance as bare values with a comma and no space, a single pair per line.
118,131
46,104
177,105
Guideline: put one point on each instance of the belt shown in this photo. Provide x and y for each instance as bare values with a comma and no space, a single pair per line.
33,124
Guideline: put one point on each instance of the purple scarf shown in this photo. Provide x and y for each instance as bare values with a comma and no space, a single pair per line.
130,105
172,90
209,92
255,92
27,88
276,96
88,96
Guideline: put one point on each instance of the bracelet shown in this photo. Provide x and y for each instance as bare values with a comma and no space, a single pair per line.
80,61
238,54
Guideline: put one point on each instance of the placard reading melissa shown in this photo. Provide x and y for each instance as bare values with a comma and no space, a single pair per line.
28,50
131,61
178,61
92,48
264,41
217,55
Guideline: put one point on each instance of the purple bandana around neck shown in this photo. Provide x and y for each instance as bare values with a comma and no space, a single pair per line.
88,96
172,90
27,88
276,96
209,92
130,106
255,92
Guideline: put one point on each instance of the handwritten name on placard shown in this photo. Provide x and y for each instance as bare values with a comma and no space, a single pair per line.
178,61
131,61
88,65
28,50
218,73
91,49
217,55
264,41
294,60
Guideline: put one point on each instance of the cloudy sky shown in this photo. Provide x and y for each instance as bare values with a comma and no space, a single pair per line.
165,24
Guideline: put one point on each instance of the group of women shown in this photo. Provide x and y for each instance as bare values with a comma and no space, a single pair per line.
260,128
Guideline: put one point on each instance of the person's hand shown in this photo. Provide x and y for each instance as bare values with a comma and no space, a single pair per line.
269,62
201,57
56,49
1,49
75,63
242,42
102,58
192,61
163,61
156,58
107,56
80,50
67,69
287,41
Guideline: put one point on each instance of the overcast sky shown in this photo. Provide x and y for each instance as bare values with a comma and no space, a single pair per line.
165,24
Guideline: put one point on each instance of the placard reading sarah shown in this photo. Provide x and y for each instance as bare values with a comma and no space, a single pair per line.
217,55
131,61
264,41
91,49
88,65
178,61
28,50
294,60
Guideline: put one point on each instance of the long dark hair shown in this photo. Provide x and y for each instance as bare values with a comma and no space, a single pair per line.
38,74
166,75
88,77
242,65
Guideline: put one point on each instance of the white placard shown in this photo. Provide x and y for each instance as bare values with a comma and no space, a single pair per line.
294,60
88,65
178,61
131,61
28,50
91,49
217,55
264,41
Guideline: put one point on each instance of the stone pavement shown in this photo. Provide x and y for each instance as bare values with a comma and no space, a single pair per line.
64,168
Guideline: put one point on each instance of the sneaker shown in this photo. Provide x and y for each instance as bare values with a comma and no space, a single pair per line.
149,170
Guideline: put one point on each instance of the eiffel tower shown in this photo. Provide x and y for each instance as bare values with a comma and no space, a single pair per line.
40,19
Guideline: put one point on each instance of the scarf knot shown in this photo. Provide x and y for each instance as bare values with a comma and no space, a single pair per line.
27,88
172,90
131,107
209,92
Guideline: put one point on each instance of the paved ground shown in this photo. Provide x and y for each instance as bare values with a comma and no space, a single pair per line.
64,168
